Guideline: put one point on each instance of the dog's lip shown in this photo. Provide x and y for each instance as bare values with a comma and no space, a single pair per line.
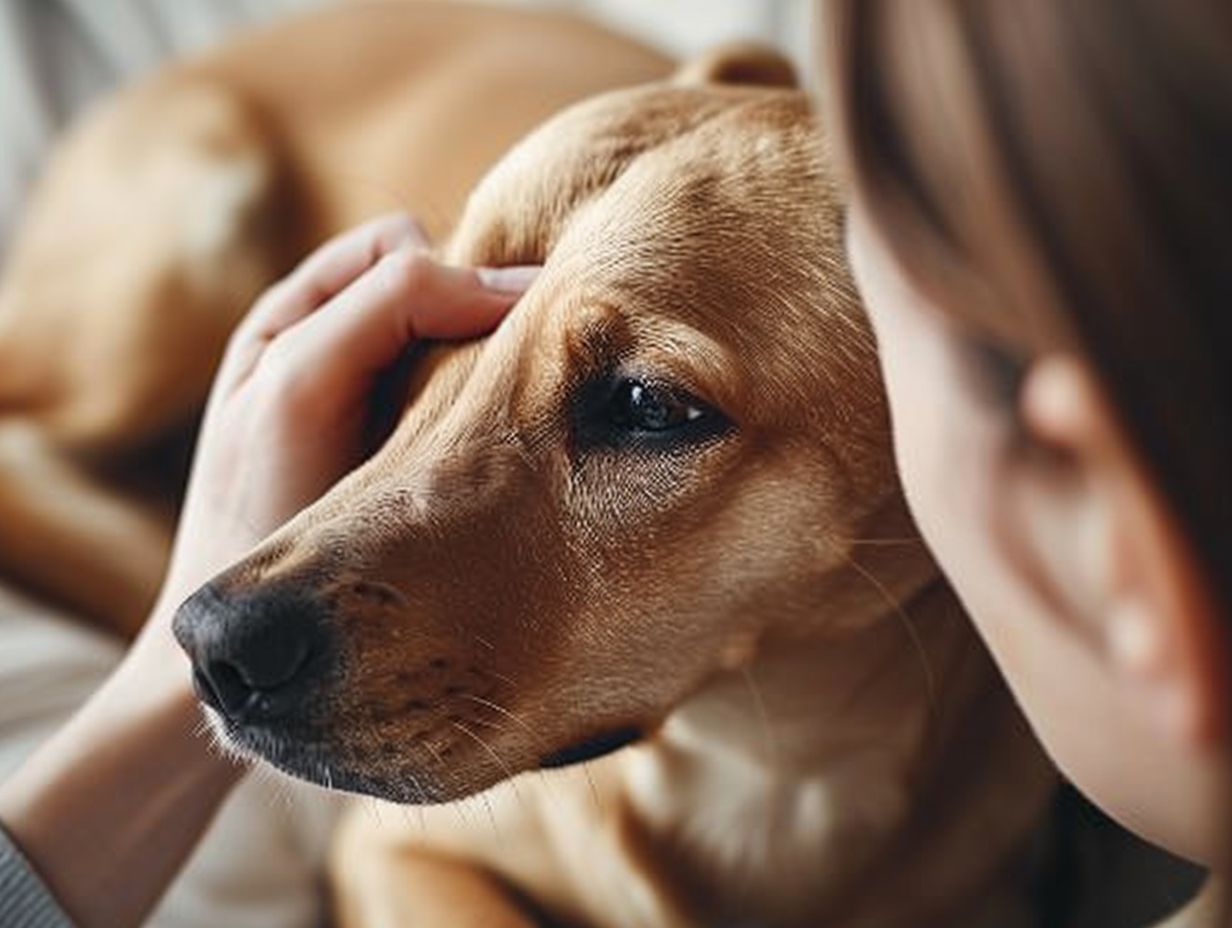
592,748
306,757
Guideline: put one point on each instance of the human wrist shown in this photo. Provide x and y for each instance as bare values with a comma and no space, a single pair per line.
151,693
156,700
133,764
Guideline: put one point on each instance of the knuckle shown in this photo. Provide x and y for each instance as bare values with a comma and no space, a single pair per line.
403,225
274,295
406,271
247,330
279,366
244,341
239,339
269,303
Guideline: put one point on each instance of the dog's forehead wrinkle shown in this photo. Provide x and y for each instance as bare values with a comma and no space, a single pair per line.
670,225
583,151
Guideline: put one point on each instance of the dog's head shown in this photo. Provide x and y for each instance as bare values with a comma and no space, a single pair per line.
659,457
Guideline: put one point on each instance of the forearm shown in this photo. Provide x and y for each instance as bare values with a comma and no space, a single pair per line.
110,807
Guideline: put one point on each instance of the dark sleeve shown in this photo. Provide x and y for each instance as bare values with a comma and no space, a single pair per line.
25,901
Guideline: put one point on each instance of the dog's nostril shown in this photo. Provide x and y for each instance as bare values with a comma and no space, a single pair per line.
205,690
227,684
229,688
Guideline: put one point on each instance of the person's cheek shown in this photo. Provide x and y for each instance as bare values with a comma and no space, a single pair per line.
945,444
918,409
941,437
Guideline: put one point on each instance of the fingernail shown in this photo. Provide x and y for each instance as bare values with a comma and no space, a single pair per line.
508,279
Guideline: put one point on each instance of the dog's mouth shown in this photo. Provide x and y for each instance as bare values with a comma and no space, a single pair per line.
302,757
592,748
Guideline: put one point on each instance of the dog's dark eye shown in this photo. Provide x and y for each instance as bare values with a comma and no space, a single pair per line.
630,412
649,407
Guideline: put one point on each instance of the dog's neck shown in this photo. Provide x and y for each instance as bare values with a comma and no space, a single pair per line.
830,762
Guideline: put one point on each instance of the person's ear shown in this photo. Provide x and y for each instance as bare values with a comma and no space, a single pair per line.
1110,553
745,63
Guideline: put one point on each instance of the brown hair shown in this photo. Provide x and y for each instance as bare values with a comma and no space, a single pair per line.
1058,173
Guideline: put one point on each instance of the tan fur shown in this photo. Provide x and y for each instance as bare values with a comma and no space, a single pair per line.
827,741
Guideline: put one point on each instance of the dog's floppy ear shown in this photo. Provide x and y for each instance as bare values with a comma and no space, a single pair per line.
739,63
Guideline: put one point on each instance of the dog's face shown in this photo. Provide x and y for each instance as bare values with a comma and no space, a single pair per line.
660,456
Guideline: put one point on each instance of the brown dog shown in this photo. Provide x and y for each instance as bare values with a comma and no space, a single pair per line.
658,504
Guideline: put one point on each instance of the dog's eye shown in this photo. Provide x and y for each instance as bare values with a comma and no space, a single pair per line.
642,413
649,407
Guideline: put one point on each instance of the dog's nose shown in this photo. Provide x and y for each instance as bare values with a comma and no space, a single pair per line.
256,654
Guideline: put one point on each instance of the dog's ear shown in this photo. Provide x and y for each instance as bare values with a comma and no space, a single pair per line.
739,63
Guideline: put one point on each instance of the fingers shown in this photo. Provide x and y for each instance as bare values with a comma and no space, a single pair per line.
330,269
324,273
405,296
514,279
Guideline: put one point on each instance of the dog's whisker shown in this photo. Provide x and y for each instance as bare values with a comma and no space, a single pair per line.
277,786
400,810
487,804
418,820
420,793
459,809
590,782
405,809
496,707
435,754
509,774
445,773
286,793
508,681
870,542
521,723
763,717
913,634
488,723
266,777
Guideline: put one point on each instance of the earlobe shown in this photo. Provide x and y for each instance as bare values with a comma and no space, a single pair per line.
1188,692
1133,640
1153,620
1138,653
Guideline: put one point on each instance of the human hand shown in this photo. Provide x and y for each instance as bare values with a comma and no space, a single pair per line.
291,408
288,415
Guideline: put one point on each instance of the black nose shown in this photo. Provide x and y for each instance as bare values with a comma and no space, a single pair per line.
257,653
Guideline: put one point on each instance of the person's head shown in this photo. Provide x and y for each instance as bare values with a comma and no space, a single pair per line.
1040,223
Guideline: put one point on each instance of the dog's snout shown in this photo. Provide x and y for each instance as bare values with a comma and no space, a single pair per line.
257,653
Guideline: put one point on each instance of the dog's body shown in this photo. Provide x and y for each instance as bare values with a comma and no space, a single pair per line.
658,501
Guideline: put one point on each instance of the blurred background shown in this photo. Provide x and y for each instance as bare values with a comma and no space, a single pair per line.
58,55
